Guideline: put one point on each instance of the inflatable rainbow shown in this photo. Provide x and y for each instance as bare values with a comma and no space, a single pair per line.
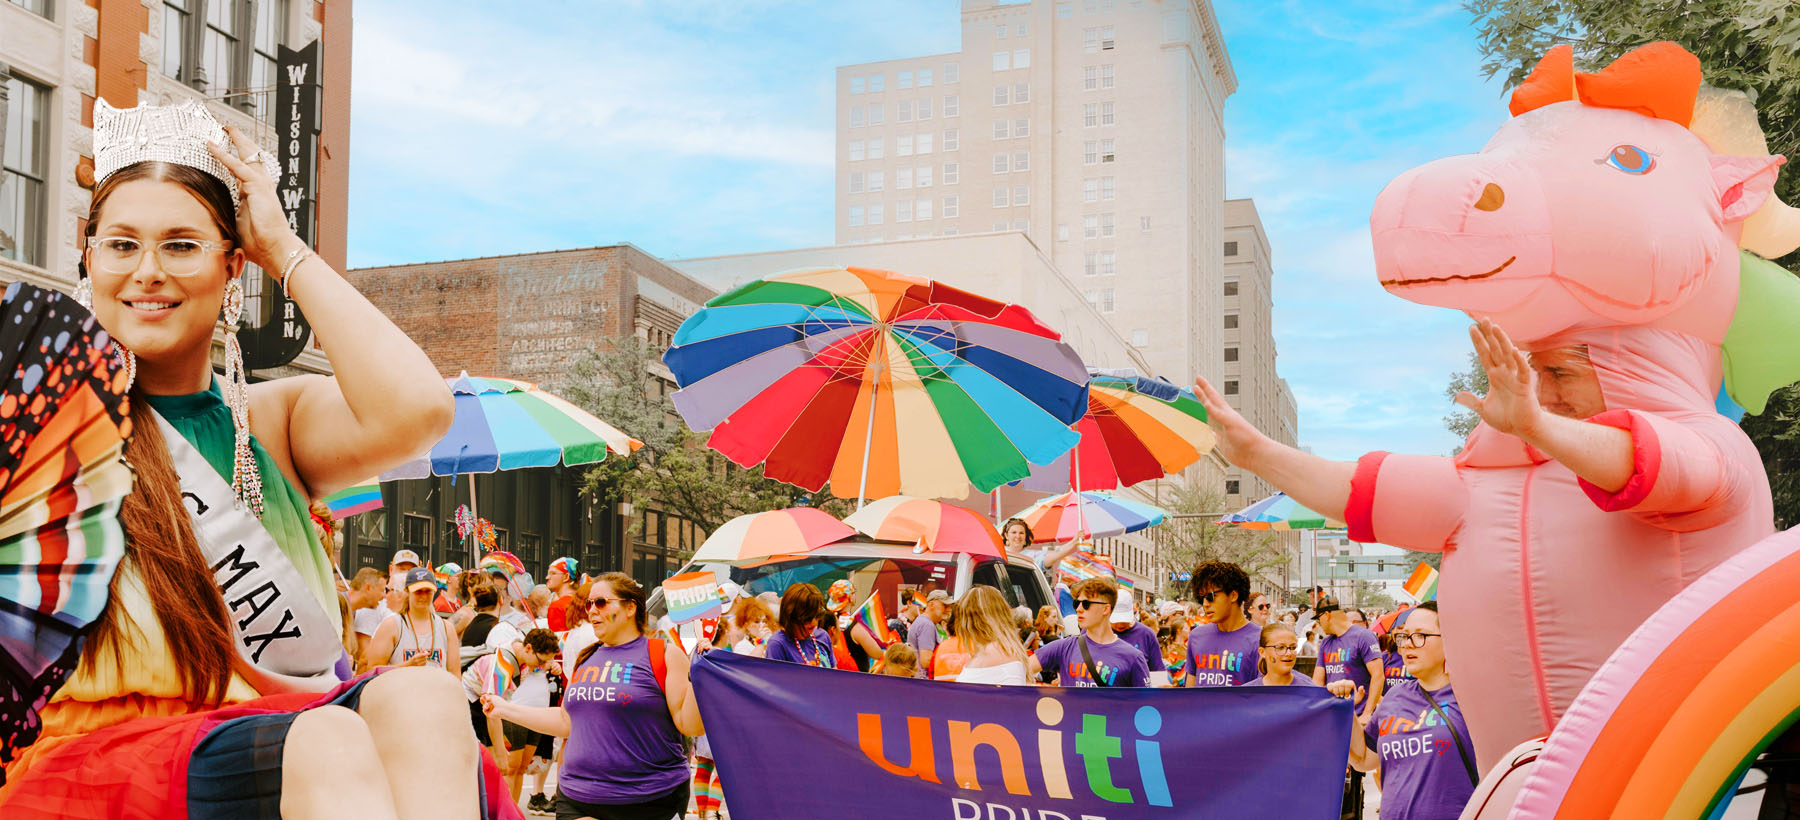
1669,724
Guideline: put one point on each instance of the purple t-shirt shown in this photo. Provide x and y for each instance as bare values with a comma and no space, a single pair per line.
1144,638
1119,663
812,652
1217,658
1422,773
623,746
1347,656
1298,680
1395,668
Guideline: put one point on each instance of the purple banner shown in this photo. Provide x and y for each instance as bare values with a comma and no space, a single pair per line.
797,741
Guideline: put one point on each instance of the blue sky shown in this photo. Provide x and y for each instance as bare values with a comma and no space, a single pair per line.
698,127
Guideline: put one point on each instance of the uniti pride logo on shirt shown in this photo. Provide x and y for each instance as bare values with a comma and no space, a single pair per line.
1218,668
601,682
1415,737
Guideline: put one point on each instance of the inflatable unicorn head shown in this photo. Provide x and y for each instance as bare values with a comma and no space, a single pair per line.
1614,199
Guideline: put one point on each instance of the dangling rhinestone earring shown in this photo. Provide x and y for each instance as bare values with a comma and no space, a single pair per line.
246,479
84,293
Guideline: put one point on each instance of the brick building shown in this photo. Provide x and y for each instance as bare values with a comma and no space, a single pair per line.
526,316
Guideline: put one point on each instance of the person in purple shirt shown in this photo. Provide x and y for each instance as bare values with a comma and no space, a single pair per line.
624,755
1417,736
800,639
1115,662
1223,652
1349,658
1391,661
1278,651
1125,625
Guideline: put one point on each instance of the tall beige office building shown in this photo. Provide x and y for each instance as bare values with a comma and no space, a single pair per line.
1249,380
1094,126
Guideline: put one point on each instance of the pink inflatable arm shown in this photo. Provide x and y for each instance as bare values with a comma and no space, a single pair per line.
1676,471
1414,502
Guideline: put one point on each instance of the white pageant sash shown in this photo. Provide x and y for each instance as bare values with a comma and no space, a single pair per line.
281,630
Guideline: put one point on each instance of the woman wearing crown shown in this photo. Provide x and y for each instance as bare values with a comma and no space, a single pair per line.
213,684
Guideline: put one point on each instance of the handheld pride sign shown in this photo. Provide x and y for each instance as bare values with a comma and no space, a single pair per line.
692,596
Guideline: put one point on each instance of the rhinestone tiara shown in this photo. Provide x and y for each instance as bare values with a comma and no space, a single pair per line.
175,134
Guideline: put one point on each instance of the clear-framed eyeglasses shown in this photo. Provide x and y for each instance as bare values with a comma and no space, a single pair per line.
177,257
1414,639
1282,648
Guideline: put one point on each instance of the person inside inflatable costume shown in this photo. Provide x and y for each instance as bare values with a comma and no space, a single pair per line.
1596,240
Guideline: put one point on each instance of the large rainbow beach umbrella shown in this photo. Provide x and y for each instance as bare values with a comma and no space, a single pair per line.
502,424
1279,512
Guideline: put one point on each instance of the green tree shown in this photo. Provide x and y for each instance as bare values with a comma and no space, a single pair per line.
1189,541
1475,380
1372,596
624,383
1751,46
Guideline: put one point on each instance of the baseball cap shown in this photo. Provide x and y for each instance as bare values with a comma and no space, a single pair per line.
1125,610
938,595
1326,604
420,578
1167,608
406,557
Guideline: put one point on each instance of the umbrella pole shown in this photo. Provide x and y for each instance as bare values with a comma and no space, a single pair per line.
862,486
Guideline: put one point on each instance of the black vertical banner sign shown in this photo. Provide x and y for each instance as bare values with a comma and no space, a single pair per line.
274,331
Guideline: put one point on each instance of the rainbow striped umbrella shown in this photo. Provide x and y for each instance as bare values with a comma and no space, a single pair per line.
1100,515
352,500
503,424
1279,512
934,525
1137,428
876,382
776,532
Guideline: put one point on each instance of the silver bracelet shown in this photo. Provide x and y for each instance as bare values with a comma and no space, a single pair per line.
295,259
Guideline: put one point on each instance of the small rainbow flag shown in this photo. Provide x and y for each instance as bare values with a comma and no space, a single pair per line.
352,500
1084,565
871,617
692,596
1422,586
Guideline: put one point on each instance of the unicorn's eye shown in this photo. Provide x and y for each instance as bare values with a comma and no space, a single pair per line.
1631,159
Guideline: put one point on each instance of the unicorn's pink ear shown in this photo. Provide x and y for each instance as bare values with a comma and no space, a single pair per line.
1743,183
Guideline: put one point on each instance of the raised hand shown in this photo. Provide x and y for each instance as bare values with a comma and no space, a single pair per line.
1238,439
1511,405
262,223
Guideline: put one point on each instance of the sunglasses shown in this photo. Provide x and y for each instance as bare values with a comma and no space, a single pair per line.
600,603
1083,603
1263,606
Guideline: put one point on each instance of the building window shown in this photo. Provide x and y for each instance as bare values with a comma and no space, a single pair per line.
1106,76
952,105
950,207
24,214
875,214
1021,128
922,144
1106,113
1231,249
1144,224
1106,151
39,7
903,146
875,115
951,177
1106,224
1090,226
856,182
218,41
876,181
1090,40
924,78
1106,38
1002,60
1090,115
950,141
1107,189
1231,387
1000,196
1231,288
1022,58
1092,297
1090,190
1140,338
856,116
857,85
176,32
903,111
903,211
1065,10
1000,95
1000,32
1021,194
1021,160
902,80
1023,30
877,82
270,32
876,149
1108,263
1021,92
1062,231
924,106
856,150
1090,152
1090,78
1000,163
1021,225
999,225
1232,487
1231,354
1000,129
922,210
1231,321
902,178
922,178
952,72
1091,263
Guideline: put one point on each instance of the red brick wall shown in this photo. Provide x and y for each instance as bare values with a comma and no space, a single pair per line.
119,74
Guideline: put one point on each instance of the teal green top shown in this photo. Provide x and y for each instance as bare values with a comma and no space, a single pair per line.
205,421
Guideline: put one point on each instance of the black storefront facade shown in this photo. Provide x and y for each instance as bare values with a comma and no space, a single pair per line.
539,514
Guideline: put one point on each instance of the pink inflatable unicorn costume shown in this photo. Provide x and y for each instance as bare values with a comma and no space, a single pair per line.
1608,213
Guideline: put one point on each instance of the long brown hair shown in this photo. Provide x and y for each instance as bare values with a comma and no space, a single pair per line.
801,604
159,535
